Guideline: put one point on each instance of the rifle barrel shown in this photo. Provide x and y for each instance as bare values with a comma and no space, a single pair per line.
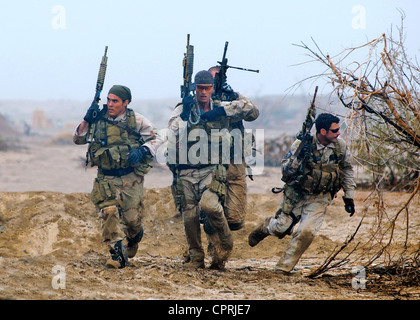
101,74
313,100
224,52
238,68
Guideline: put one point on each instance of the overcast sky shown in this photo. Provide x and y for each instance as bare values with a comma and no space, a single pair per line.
52,49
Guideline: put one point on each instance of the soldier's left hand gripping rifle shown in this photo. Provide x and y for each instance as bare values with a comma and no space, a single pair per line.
93,114
189,104
222,90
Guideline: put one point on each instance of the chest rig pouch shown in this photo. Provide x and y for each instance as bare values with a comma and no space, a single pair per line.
208,143
112,142
323,176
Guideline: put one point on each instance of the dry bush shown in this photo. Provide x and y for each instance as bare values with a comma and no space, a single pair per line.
378,84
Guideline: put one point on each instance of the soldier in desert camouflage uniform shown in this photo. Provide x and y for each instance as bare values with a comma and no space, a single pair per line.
203,182
306,201
236,194
124,143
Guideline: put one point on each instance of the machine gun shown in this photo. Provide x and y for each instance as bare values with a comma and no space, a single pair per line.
190,107
99,86
222,91
293,172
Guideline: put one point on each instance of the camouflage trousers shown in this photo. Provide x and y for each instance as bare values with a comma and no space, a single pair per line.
236,196
310,209
119,201
199,197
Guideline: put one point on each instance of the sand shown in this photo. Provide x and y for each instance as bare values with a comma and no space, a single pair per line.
50,244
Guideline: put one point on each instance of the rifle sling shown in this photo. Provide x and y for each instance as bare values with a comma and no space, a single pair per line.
299,148
123,126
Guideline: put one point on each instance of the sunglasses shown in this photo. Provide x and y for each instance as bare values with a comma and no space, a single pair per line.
206,88
334,130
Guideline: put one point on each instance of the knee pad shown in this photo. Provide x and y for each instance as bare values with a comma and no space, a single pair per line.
282,224
136,239
206,224
234,226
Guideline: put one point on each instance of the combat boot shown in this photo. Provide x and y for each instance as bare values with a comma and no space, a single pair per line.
195,261
133,244
218,255
218,260
194,264
259,234
132,250
218,264
119,256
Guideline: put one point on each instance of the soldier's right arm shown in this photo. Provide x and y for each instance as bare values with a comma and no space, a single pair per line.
173,123
241,109
79,134
173,136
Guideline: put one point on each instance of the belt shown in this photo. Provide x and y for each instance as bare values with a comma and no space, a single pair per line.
118,172
187,166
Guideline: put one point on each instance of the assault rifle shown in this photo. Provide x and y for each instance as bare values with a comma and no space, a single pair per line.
187,88
222,91
99,86
294,171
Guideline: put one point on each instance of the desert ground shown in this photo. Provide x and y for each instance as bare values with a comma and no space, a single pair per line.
51,248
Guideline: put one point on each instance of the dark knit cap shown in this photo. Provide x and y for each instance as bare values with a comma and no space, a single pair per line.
203,77
121,91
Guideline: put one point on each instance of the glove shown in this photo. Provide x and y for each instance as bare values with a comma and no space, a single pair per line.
92,113
349,205
228,92
138,155
187,104
214,114
305,149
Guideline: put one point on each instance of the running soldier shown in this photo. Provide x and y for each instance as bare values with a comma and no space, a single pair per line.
306,197
123,145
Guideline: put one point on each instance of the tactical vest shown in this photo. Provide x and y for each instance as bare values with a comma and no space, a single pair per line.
207,143
112,141
323,177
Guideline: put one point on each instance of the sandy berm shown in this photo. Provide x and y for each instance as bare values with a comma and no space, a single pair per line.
49,228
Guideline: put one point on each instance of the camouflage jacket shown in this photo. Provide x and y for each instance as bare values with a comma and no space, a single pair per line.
327,156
